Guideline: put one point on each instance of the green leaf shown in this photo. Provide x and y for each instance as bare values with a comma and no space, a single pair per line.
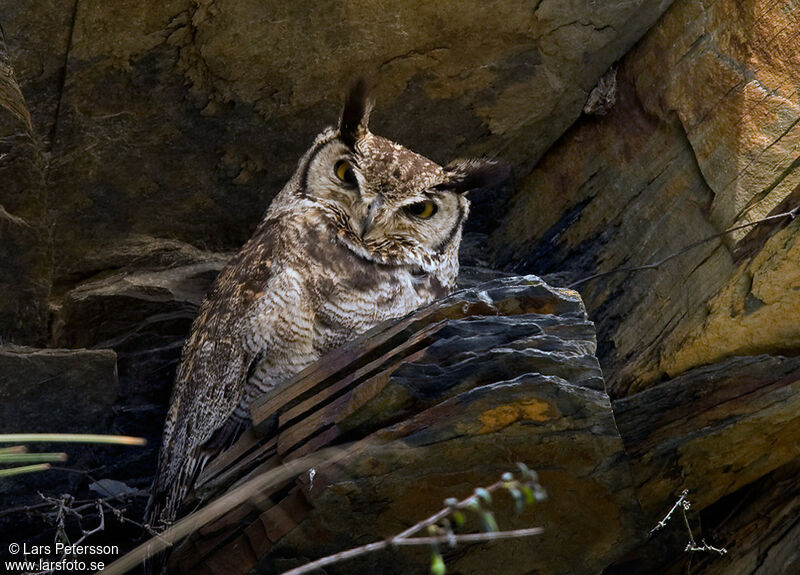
519,499
459,518
528,472
489,523
71,438
484,494
529,496
437,565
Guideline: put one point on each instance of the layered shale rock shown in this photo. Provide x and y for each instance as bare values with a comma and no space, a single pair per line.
182,119
54,391
141,141
704,136
728,433
25,257
437,403
143,312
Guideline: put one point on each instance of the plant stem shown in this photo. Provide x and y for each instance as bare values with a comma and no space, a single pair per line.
397,541
31,457
24,469
71,438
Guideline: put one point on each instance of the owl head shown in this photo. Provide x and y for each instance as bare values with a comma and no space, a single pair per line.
388,204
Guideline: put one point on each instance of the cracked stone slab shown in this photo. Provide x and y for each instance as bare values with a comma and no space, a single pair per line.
54,391
703,135
715,428
182,119
143,312
437,403
727,433
25,250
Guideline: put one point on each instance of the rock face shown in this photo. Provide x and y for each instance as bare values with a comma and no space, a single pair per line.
143,313
440,402
140,142
704,136
24,244
210,104
54,391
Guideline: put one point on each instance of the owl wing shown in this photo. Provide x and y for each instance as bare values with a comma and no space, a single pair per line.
212,376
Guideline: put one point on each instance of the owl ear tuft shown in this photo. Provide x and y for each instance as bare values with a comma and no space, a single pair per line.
355,115
462,176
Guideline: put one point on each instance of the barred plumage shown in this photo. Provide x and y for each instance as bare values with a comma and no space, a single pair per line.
364,231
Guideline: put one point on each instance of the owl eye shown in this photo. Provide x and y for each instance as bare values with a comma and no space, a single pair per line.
422,210
344,171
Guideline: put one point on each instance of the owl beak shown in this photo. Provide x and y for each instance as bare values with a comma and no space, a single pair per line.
374,208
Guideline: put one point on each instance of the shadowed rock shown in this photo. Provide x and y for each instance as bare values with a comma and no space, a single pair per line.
54,391
703,136
25,257
182,120
437,403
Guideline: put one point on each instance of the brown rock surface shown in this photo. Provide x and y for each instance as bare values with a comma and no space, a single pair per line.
445,400
704,136
728,433
136,135
717,428
53,391
143,312
25,258
210,104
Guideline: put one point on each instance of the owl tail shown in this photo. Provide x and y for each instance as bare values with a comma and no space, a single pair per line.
158,507
164,504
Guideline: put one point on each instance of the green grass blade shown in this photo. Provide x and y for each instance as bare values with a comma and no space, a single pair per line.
71,438
31,457
24,469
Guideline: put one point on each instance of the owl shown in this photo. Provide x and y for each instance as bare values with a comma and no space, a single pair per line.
364,231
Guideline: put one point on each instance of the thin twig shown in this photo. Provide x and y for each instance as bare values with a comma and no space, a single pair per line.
438,516
398,541
64,509
85,534
405,537
791,214
470,537
684,507
705,547
691,545
661,524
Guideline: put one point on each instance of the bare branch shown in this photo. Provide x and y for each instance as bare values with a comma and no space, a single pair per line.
691,545
438,516
661,524
473,502
398,541
706,547
470,537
